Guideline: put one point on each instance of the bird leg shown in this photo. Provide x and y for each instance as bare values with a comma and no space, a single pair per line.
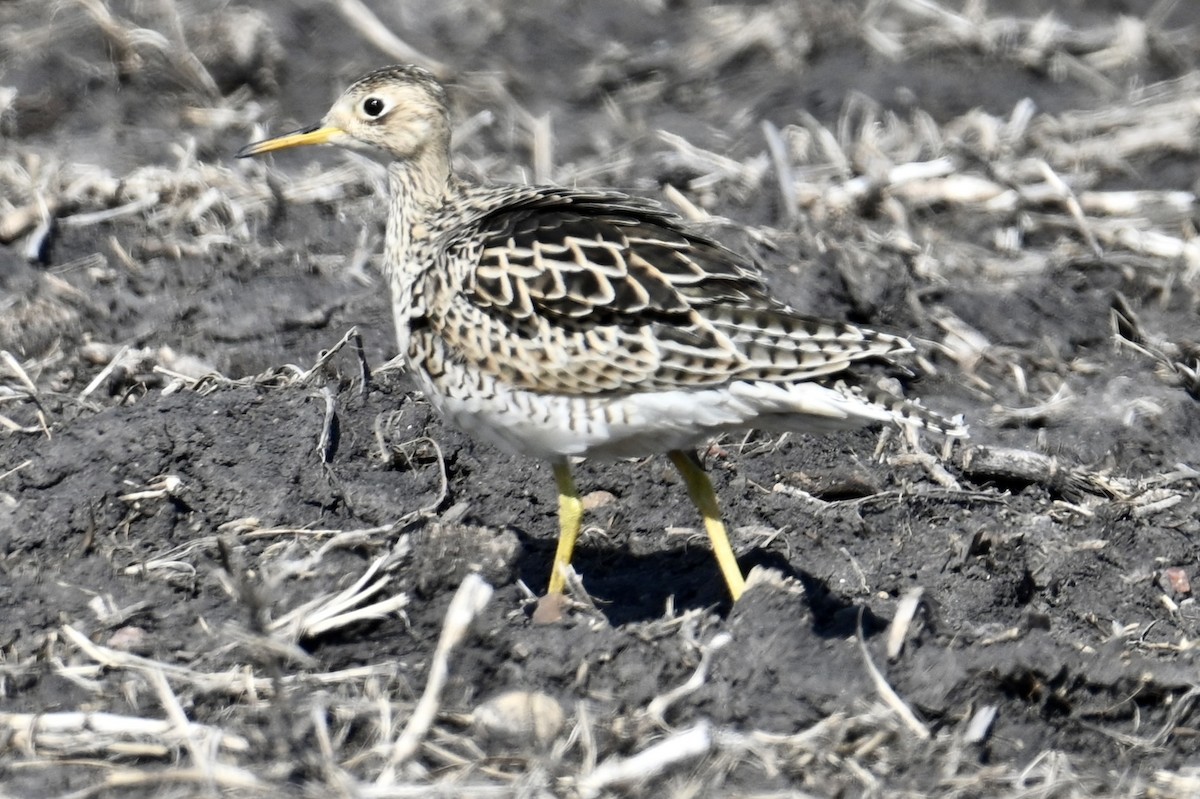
570,519
701,491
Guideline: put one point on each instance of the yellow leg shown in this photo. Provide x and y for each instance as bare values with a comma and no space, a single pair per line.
570,518
701,491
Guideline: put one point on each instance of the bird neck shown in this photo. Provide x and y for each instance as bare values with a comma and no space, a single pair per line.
419,188
420,183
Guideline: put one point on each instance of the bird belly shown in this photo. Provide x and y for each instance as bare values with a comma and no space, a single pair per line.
555,427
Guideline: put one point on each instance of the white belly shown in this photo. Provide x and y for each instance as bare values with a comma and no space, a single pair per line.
555,427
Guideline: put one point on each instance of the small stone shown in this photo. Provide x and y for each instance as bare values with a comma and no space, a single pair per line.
1175,580
129,639
521,717
598,499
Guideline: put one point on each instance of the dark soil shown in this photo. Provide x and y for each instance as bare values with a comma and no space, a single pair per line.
172,516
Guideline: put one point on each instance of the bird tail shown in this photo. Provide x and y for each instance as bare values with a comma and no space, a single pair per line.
903,411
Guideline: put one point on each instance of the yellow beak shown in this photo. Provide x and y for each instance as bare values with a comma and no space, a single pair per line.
316,134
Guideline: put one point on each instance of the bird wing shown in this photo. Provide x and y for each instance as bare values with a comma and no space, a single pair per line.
582,294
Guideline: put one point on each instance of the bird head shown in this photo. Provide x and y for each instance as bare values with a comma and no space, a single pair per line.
399,111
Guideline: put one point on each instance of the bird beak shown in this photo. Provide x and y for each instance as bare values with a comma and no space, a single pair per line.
316,134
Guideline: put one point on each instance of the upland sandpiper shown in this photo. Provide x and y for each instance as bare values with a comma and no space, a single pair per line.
561,323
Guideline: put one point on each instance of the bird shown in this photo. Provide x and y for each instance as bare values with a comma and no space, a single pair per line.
567,323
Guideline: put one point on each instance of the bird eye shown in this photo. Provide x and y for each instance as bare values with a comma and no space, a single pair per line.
373,106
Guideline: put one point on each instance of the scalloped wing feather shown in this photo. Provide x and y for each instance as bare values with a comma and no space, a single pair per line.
595,293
